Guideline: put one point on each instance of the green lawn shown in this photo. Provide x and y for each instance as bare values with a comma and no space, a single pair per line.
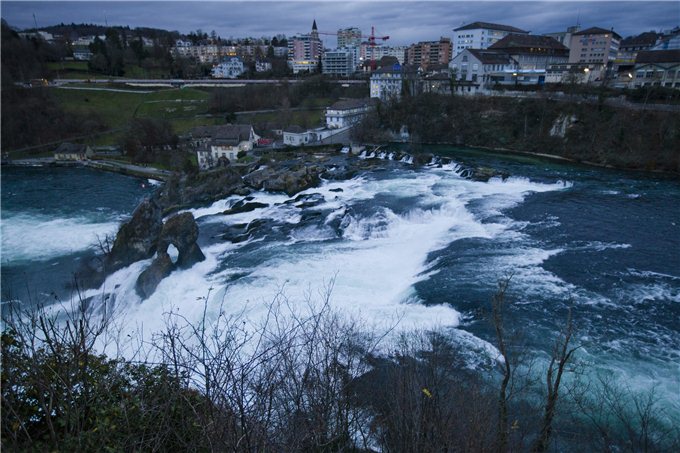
116,109
304,118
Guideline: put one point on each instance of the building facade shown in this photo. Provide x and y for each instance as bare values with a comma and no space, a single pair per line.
426,53
532,52
481,35
305,51
231,68
368,52
387,83
564,37
215,144
340,62
657,68
484,67
306,47
595,46
349,37
346,113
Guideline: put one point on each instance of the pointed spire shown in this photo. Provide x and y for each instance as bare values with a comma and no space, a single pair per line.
314,26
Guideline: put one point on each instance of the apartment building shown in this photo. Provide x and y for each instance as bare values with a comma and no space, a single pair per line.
349,37
481,35
595,46
427,53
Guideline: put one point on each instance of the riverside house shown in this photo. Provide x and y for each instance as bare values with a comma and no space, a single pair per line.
347,112
215,144
72,152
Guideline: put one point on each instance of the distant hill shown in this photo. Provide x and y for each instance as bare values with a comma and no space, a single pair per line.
73,31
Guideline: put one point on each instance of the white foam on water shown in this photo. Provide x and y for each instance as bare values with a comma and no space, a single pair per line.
374,266
35,237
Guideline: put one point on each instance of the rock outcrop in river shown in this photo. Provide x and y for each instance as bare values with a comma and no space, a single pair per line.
181,231
137,239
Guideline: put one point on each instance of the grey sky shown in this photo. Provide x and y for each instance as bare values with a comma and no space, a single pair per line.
404,21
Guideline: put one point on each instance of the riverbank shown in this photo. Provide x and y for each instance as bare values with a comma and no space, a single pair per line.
602,135
103,165
559,158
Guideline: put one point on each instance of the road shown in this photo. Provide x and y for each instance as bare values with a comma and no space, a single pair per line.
190,82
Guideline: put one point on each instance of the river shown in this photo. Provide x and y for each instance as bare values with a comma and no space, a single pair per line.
406,247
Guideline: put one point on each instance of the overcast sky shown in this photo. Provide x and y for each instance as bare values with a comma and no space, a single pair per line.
404,21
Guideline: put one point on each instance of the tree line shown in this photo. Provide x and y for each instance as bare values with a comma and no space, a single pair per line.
305,379
593,132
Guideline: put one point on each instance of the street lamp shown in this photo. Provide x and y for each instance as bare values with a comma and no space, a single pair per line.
514,74
587,73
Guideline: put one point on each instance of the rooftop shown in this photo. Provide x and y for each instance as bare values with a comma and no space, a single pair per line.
644,39
490,26
597,31
295,129
658,56
229,133
71,148
349,104
490,56
532,42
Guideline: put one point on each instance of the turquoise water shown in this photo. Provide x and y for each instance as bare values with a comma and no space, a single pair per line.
415,248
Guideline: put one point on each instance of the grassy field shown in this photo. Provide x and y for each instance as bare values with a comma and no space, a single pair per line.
116,109
304,118
80,70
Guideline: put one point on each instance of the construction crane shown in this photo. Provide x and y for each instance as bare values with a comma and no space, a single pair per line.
371,42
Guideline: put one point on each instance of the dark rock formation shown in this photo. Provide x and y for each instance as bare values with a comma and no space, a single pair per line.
182,232
185,190
422,158
290,180
148,281
483,174
307,200
136,239
244,206
243,231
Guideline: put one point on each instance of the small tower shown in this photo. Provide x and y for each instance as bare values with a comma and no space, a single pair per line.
315,31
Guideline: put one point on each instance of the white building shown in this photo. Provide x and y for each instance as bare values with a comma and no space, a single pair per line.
346,113
263,66
280,52
483,66
342,62
658,68
480,35
387,83
215,144
368,52
299,66
229,69
297,136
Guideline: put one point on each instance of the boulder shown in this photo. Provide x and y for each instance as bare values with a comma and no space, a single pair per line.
148,281
290,180
483,174
137,239
181,231
244,206
205,187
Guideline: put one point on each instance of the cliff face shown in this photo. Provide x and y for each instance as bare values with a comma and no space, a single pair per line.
598,133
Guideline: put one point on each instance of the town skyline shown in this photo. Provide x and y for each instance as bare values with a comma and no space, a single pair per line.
404,21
